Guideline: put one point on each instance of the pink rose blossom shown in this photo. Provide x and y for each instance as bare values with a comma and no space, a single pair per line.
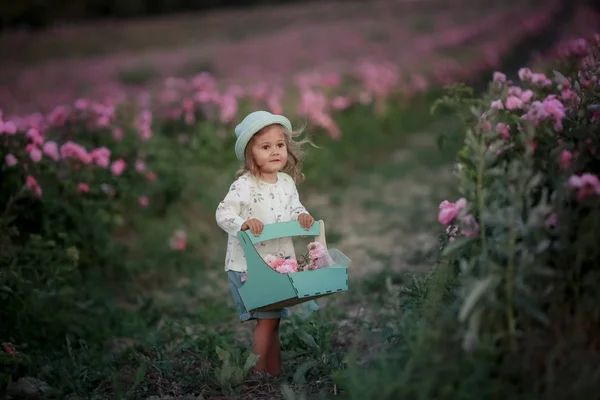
570,98
118,167
144,124
8,127
513,102
51,150
83,188
35,154
497,104
340,103
484,125
503,130
556,111
143,201
525,74
82,104
270,259
565,159
515,91
449,211
151,176
229,108
469,226
319,255
552,221
117,134
499,77
280,264
287,266
274,102
140,166
58,116
10,160
34,135
541,79
178,241
586,185
33,185
551,108
101,156
71,150
526,96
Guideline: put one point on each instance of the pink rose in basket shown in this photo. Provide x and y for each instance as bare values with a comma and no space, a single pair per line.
319,255
271,260
287,267
281,265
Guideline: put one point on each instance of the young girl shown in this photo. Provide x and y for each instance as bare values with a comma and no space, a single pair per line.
262,194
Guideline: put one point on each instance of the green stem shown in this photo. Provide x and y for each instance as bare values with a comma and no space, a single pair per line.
480,199
511,267
510,291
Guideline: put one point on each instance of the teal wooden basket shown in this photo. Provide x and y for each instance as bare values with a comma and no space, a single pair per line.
266,289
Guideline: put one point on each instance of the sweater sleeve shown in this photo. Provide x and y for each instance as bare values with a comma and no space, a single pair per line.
228,212
296,207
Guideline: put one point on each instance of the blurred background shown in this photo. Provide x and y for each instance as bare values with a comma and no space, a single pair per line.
55,50
114,273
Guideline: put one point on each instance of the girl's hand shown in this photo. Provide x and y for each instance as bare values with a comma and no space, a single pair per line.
254,225
306,220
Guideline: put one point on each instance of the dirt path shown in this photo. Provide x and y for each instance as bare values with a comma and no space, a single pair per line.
387,218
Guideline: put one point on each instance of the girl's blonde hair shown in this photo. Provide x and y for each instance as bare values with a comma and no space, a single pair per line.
295,151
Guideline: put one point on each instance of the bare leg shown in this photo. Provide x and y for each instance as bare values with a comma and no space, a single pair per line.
262,338
274,355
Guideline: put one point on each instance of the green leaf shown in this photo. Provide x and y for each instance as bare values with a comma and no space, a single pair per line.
300,374
226,373
475,111
140,373
472,333
476,292
542,246
223,354
238,375
288,393
534,181
6,289
560,78
251,361
308,339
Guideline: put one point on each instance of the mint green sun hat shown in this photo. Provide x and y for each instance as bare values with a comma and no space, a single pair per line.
253,123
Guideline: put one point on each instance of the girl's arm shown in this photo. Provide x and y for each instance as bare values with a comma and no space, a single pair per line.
228,212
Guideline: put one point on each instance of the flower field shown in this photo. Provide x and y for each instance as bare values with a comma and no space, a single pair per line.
113,161
334,45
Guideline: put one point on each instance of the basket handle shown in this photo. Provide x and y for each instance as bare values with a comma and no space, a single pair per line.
285,229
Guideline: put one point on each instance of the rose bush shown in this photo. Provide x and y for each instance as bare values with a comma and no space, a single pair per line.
522,237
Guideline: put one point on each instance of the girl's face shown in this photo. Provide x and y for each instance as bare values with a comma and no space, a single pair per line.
269,150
